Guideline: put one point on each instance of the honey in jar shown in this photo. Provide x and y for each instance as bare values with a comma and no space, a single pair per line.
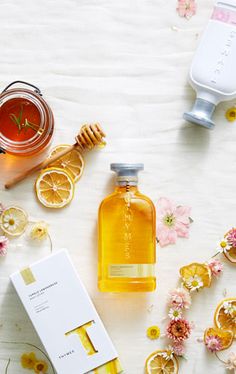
26,121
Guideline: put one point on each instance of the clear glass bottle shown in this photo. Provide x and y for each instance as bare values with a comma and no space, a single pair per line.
127,236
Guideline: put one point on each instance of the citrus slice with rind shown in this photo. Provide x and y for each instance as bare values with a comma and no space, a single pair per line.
225,315
226,336
13,221
200,271
231,255
54,188
72,162
156,363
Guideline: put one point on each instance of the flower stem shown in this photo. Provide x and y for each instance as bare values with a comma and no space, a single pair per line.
216,254
30,345
8,363
223,362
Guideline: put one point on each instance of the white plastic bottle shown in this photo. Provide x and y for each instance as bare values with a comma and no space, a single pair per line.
213,70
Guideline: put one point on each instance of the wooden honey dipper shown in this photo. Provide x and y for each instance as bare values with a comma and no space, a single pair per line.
89,137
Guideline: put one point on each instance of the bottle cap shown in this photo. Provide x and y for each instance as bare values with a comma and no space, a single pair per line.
201,114
127,172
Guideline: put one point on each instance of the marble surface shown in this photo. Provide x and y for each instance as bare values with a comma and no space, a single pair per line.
124,64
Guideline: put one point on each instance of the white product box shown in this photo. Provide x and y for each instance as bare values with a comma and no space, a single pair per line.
64,317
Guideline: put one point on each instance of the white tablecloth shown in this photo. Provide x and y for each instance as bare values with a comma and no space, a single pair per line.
124,64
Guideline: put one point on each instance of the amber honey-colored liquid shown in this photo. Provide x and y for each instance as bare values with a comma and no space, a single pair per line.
24,111
127,242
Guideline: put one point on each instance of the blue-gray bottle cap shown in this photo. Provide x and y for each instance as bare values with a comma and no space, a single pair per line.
123,169
127,174
201,114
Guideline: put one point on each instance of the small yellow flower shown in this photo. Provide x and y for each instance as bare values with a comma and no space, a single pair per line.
168,353
13,221
39,231
231,114
153,332
194,283
40,367
223,244
28,360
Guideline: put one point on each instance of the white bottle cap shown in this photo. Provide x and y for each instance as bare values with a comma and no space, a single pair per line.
201,114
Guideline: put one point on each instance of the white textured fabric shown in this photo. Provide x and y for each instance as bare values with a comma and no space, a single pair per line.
124,64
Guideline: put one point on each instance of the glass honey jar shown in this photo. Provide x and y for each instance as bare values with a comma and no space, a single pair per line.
26,120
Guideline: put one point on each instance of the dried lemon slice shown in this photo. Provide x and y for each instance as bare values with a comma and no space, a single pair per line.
13,221
72,162
226,337
54,188
225,315
157,363
196,276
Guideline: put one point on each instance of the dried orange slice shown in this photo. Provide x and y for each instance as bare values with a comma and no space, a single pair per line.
157,363
225,315
72,162
226,337
54,188
231,255
196,276
13,221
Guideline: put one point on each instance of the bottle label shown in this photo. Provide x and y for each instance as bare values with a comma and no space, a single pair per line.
224,15
131,270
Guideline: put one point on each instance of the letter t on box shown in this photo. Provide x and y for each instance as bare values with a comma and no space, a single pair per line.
64,317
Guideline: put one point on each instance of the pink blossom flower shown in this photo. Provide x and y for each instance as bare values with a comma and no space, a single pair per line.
216,266
213,343
179,298
3,245
186,8
231,238
172,221
231,362
178,348
179,330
